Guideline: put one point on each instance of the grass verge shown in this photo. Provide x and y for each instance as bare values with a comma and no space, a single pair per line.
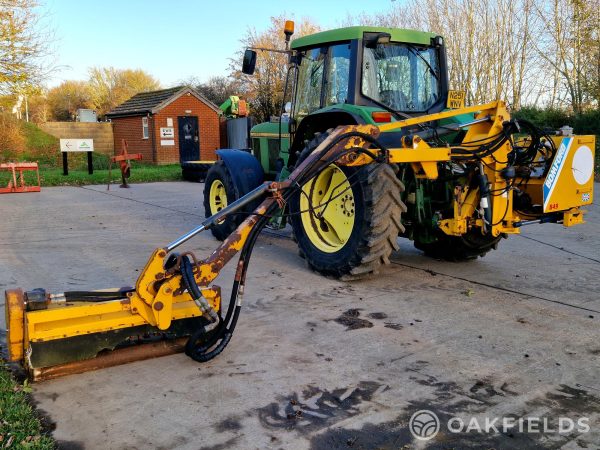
40,146
140,173
19,425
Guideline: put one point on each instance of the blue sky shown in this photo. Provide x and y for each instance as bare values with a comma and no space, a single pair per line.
172,40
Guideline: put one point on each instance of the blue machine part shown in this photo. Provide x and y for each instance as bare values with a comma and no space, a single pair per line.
244,168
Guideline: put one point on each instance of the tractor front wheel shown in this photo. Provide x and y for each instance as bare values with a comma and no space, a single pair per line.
219,191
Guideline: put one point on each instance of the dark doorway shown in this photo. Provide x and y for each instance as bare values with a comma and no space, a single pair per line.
189,141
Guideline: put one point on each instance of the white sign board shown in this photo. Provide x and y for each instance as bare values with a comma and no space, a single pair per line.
167,132
167,142
76,145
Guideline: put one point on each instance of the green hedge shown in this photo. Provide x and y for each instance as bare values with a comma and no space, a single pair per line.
586,123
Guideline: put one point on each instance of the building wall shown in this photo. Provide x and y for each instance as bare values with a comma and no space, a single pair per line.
130,129
208,128
101,133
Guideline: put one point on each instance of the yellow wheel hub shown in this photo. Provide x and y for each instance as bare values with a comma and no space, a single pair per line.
218,196
330,222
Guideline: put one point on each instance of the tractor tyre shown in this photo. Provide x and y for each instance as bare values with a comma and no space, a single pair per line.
460,248
346,220
219,191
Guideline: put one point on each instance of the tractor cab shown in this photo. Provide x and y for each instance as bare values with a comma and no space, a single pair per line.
402,72
349,76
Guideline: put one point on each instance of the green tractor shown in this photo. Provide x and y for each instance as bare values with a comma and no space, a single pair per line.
347,219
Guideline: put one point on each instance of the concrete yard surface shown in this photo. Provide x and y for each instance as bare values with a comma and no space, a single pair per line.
320,363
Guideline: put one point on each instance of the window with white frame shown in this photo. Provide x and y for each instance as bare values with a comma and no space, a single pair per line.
145,132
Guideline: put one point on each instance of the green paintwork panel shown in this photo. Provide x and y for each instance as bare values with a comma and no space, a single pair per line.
362,111
350,33
265,136
225,105
265,145
270,127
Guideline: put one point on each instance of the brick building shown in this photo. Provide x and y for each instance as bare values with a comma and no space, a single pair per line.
168,126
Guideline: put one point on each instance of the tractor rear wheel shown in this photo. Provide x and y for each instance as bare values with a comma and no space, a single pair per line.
219,191
460,248
346,220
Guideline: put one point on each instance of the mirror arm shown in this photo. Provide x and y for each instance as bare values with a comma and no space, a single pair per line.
263,49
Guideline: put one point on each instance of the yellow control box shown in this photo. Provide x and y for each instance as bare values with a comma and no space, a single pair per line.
570,180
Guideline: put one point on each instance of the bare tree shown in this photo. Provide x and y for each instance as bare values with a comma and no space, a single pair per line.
24,46
110,87
265,88
219,89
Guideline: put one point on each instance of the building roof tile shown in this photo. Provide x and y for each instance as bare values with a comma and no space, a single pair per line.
150,102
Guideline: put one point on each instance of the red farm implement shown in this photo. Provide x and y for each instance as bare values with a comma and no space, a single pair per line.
17,182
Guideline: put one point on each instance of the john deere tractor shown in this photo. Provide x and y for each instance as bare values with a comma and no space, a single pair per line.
346,220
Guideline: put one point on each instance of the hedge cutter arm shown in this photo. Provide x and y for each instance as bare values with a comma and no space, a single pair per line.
158,288
174,296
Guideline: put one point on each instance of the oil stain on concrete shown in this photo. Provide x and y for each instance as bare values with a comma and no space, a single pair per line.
351,320
315,409
318,413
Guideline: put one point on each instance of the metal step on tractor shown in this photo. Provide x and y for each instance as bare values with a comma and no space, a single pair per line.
465,178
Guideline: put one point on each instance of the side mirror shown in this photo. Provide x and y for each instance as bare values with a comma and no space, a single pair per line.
249,63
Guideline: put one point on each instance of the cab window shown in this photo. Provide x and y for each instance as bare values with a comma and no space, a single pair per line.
338,73
310,82
322,79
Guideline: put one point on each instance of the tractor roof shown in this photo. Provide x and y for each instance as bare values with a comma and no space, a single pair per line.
350,33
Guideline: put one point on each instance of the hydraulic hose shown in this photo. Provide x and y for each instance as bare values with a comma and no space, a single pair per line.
484,194
187,275
96,296
222,334
218,338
